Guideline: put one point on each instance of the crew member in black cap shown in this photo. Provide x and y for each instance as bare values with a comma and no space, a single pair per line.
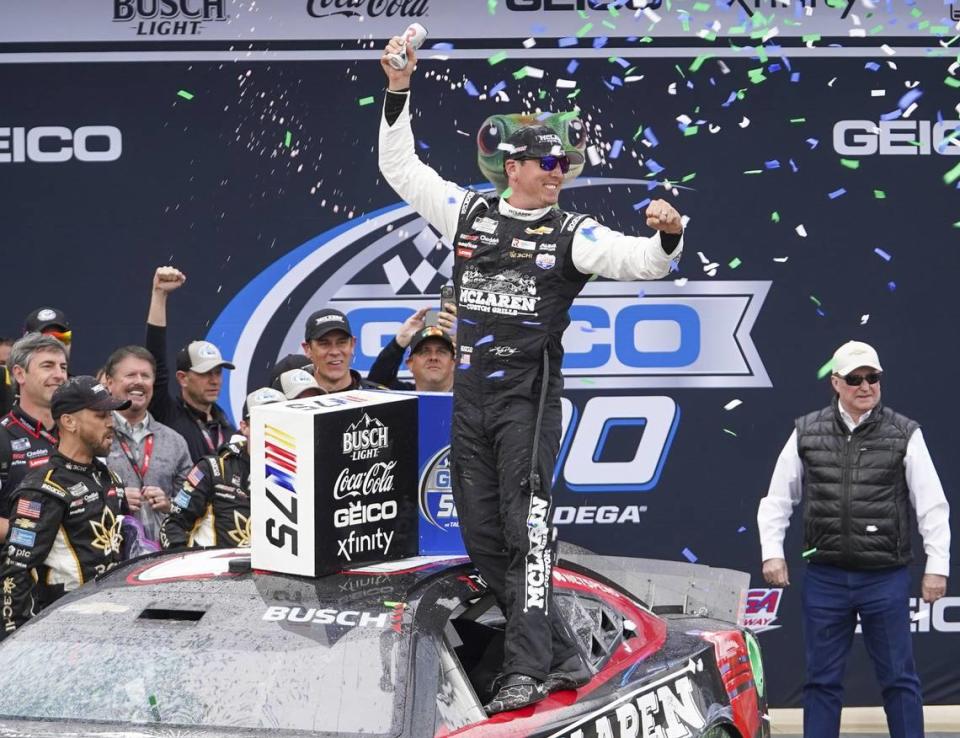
430,361
520,260
213,507
194,414
66,516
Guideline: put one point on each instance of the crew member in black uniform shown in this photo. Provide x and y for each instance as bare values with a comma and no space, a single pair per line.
213,508
28,435
66,517
520,262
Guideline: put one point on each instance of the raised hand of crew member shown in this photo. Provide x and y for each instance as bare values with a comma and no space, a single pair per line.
775,573
447,320
167,279
411,326
662,216
156,498
933,587
399,79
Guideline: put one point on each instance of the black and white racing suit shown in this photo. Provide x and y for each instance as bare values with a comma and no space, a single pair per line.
516,272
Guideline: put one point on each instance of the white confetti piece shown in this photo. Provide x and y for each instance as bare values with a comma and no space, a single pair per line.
732,404
885,48
703,259
878,93
864,319
534,72
801,231
830,83
529,43
713,128
771,34
684,120
566,84
633,78
858,32
593,155
682,282
672,88
745,122
651,16
909,111
781,259
921,615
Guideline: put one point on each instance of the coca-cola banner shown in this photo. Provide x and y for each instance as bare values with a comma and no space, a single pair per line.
812,147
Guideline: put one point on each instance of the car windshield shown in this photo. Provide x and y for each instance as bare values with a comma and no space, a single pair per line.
238,665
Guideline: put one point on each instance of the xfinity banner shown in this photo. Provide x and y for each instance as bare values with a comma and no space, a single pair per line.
819,179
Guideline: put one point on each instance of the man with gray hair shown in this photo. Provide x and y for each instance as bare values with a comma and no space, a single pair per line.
151,458
28,435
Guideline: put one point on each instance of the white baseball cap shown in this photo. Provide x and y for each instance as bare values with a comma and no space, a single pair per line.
854,354
295,382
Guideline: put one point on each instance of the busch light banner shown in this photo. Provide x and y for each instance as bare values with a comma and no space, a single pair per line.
813,147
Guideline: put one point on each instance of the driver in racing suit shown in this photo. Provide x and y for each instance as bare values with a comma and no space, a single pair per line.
65,522
519,263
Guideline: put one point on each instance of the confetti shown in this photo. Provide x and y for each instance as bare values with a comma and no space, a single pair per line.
808,553
892,286
775,216
689,555
850,163
566,84
733,404
781,259
572,66
287,139
497,58
471,88
837,193
742,529
734,262
920,615
952,176
365,101
496,375
507,193
727,430
616,148
880,194
825,369
882,254
801,231
185,95
864,319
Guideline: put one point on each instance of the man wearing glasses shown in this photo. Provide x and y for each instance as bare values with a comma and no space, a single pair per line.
520,262
862,469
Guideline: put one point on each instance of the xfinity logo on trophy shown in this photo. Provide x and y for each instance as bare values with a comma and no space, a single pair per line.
168,17
776,4
371,8
581,5
896,137
366,438
58,144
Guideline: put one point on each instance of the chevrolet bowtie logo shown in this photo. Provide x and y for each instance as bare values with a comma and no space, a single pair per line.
775,4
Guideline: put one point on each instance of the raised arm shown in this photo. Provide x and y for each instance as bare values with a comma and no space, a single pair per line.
427,192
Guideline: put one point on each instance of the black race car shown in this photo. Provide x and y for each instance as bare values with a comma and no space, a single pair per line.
197,644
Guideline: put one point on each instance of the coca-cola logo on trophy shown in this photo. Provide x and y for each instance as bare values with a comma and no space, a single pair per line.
371,8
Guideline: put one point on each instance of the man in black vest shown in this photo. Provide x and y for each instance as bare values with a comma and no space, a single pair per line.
863,471
520,262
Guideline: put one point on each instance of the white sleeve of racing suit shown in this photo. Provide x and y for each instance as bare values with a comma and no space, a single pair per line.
436,199
600,250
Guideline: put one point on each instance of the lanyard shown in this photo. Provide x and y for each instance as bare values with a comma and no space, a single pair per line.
206,436
141,470
38,432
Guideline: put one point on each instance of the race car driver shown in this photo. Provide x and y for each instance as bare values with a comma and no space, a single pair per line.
213,507
520,262
66,516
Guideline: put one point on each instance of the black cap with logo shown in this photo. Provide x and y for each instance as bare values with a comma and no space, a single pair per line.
323,321
426,334
84,393
535,142
45,317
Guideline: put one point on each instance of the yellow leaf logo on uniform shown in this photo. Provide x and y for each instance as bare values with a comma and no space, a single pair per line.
106,533
240,534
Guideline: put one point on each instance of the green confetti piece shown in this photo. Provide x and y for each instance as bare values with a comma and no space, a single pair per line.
587,380
573,94
365,101
583,15
185,95
952,176
507,193
541,94
647,40
811,38
880,194
701,7
957,224
756,76
754,171
952,82
520,73
688,177
497,58
491,6
825,369
775,216
637,134
691,130
798,120
679,70
876,29
609,24
735,262
916,12
584,30
698,62
613,11
816,301
939,30
727,430
287,139
153,700
807,554
390,603
850,163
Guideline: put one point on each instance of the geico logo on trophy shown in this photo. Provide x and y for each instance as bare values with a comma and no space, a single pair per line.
196,13
375,480
358,513
57,144
896,137
366,438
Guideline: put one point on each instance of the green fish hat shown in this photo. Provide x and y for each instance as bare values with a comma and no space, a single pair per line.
498,128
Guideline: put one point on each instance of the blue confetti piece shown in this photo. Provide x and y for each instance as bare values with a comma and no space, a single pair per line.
567,41
607,85
774,68
485,339
588,232
814,142
793,166
632,39
882,254
443,46
730,100
821,313
531,322
772,164
837,193
538,29
599,42
616,81
651,136
497,87
616,148
468,321
907,100
471,89
892,115
674,266
572,66
496,375
689,555
641,205
423,144
742,529
462,367
872,66
892,286
624,64
795,77
642,293
654,167
451,200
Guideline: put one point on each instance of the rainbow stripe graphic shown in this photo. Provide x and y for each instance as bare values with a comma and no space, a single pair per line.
280,451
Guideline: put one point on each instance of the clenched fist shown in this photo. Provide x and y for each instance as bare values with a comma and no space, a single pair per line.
662,216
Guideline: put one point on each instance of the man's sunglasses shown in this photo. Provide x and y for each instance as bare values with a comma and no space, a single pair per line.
549,163
63,337
855,380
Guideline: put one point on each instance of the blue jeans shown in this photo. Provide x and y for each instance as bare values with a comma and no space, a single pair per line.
832,598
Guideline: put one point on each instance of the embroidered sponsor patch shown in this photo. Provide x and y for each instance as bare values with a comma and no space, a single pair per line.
548,247
20,444
519,243
182,499
78,490
29,508
485,225
465,253
539,230
546,261
20,537
195,476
